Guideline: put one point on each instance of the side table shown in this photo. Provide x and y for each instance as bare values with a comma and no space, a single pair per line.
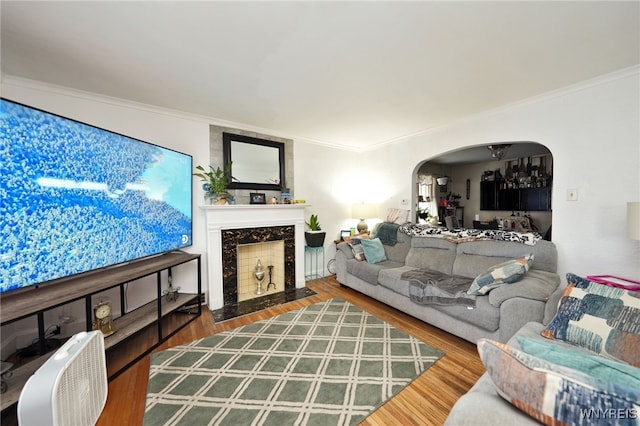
313,263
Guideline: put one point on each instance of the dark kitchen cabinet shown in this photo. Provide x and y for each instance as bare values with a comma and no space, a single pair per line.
488,195
523,199
509,199
535,199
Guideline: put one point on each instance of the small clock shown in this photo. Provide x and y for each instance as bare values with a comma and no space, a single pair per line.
103,319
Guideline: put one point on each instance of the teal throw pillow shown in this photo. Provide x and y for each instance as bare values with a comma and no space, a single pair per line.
577,359
498,275
373,250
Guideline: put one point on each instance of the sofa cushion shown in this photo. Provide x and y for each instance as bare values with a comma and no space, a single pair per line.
390,278
554,394
369,271
431,253
475,257
472,265
535,285
483,398
498,275
398,251
603,319
484,315
373,250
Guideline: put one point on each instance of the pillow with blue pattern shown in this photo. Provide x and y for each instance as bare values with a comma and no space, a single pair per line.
553,394
602,319
498,275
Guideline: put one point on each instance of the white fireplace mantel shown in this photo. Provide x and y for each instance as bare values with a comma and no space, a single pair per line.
240,216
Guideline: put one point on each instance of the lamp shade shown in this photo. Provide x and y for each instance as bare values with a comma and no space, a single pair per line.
364,211
633,220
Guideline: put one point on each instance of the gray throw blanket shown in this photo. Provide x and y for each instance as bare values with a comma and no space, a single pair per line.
431,287
388,233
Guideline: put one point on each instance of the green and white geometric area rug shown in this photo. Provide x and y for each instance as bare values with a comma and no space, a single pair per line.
330,363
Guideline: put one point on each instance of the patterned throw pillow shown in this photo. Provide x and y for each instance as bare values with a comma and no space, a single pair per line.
374,250
397,216
503,273
603,319
356,247
556,395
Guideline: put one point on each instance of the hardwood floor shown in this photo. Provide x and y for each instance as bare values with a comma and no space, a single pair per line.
426,401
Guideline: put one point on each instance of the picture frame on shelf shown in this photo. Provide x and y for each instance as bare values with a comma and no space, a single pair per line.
257,198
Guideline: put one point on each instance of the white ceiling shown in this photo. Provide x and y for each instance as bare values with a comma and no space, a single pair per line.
354,74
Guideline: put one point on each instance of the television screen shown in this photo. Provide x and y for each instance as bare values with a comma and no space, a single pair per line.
74,198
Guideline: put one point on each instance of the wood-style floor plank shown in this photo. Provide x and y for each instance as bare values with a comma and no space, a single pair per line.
426,401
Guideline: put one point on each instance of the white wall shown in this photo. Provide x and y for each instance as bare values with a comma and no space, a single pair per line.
328,179
593,133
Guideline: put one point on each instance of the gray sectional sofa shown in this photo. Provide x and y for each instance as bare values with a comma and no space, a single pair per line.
571,352
497,315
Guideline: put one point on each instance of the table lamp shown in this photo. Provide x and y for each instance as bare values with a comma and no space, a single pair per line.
362,212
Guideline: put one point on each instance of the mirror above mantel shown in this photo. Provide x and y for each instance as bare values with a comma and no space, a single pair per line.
255,163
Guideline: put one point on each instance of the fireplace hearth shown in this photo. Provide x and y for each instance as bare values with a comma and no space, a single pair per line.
254,305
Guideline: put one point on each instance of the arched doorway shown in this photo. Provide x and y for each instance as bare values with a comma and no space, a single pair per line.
483,190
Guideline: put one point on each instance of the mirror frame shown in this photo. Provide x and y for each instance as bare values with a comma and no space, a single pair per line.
228,138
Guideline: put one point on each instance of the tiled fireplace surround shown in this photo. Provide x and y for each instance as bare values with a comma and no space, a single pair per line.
230,225
231,277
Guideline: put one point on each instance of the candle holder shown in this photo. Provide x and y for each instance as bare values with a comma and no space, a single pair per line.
271,283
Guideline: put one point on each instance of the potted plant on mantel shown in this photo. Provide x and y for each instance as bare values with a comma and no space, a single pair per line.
215,184
315,236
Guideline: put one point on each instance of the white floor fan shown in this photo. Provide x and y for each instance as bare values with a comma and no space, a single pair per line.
70,388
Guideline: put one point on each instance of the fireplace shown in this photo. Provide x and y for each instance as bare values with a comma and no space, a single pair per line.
231,226
256,240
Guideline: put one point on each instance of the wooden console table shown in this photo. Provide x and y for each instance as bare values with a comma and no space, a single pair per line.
36,301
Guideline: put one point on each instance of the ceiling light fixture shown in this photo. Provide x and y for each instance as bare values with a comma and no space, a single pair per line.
499,151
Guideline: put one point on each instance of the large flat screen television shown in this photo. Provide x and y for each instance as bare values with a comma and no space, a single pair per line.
76,198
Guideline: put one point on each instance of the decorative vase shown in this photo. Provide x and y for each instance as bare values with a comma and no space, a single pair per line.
285,196
209,196
218,198
259,273
315,238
